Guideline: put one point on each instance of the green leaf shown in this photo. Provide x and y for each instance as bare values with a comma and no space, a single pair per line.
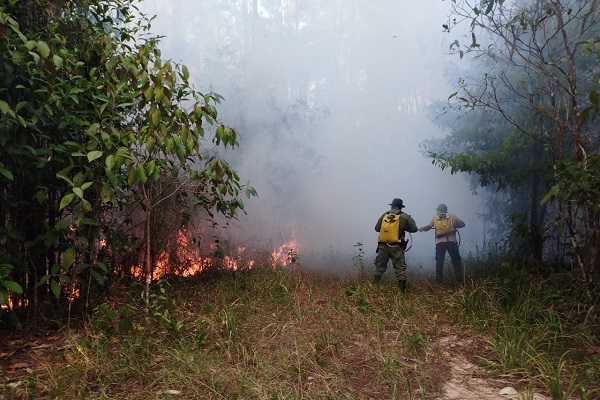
12,286
20,105
68,257
55,269
189,147
6,173
110,161
3,296
40,196
131,176
86,205
55,287
554,190
78,192
106,194
170,144
62,224
141,174
150,167
36,57
102,266
62,174
66,200
97,276
186,72
159,93
149,93
219,133
58,61
43,48
4,107
93,155
155,117
43,281
150,143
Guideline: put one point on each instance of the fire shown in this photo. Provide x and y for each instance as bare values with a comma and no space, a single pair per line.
193,261
286,254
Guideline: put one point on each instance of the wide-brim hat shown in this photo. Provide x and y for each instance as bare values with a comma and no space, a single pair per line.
397,203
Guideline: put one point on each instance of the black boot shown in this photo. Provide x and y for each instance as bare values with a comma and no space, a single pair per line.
402,285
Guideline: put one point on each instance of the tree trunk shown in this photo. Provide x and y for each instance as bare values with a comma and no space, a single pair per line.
149,266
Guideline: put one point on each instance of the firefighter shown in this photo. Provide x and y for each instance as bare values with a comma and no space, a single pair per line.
391,243
445,225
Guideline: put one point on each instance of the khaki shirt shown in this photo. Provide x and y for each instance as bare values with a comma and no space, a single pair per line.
458,223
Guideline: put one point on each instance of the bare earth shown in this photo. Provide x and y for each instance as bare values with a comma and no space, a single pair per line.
469,381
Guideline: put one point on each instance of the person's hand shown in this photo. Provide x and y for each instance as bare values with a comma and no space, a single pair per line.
420,229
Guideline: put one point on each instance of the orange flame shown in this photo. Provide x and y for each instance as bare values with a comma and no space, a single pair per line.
284,255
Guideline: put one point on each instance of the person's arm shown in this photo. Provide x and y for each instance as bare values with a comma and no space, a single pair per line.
378,224
458,223
410,225
427,227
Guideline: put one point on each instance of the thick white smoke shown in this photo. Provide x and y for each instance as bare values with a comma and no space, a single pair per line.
329,99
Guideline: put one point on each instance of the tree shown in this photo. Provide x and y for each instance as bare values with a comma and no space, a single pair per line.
511,167
543,62
95,120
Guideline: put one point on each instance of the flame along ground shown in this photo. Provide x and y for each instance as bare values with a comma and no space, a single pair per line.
240,257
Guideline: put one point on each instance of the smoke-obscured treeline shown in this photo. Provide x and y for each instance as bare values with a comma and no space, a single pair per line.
330,100
115,162
524,122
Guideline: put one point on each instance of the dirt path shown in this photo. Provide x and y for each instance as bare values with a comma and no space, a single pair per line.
471,382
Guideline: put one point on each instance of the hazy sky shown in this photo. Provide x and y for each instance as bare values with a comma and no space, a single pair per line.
330,105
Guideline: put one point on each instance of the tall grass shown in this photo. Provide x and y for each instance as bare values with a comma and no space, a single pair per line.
285,334
537,328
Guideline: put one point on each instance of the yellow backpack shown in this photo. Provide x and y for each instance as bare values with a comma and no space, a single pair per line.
444,225
390,228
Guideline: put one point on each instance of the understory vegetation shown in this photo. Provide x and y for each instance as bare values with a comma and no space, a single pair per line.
294,334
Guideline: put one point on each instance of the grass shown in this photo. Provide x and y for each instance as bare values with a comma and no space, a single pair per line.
284,334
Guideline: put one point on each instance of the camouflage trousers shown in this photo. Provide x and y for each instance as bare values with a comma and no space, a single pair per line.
385,253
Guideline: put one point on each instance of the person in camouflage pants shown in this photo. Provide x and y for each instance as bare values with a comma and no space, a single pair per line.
394,251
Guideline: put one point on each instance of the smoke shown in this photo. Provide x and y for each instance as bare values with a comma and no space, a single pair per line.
330,101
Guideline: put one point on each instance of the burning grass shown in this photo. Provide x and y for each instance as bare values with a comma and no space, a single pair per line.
282,334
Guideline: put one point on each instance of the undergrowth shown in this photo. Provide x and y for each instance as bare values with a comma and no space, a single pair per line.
284,334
